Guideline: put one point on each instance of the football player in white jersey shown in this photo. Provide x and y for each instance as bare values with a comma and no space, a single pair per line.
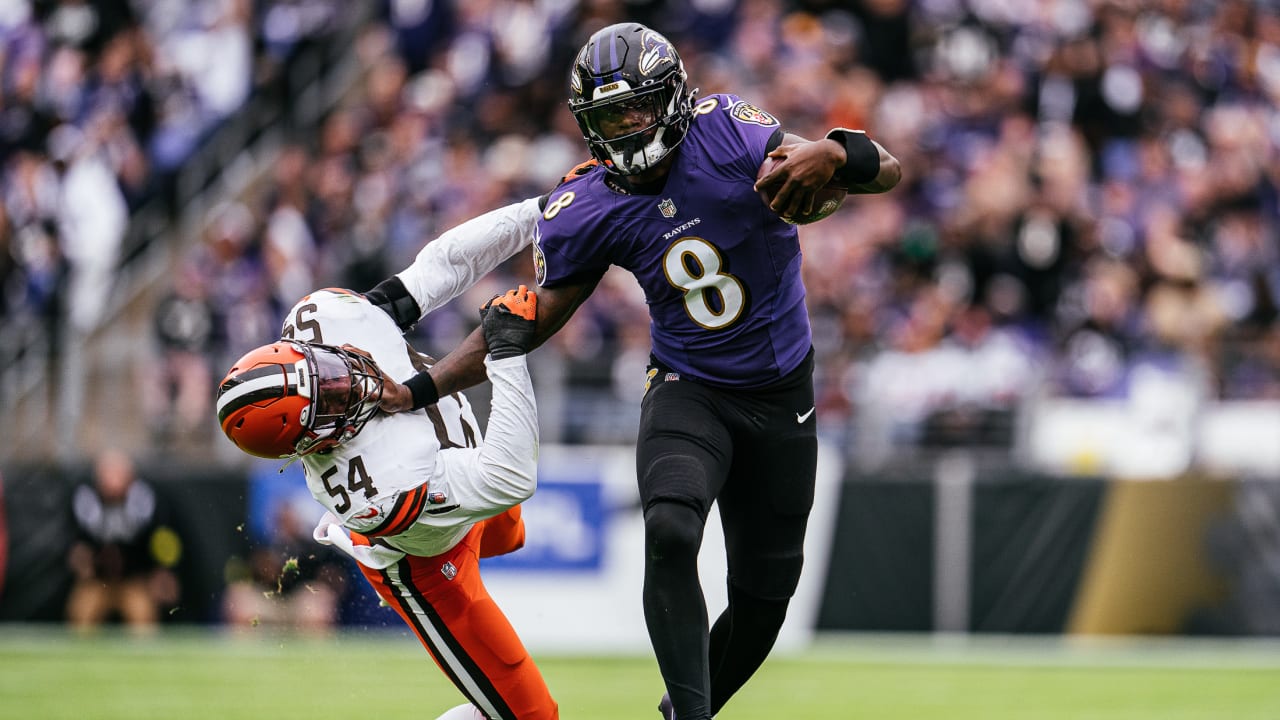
416,498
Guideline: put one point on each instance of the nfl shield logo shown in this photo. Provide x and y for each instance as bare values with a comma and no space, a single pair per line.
667,208
449,570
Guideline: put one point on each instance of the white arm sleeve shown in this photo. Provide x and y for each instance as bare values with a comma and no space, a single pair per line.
503,470
509,453
453,262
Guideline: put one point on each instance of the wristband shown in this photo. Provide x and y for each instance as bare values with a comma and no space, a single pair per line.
423,389
862,159
393,298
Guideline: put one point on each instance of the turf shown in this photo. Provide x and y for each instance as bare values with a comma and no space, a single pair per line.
202,675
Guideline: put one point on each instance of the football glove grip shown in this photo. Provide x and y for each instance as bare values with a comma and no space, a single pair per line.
509,321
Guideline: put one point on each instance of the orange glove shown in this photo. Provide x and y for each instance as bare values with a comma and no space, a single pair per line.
509,321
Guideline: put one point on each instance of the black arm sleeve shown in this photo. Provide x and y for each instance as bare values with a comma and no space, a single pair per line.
775,140
391,297
862,163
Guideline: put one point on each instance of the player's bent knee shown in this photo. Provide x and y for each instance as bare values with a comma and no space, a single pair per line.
494,644
774,581
672,529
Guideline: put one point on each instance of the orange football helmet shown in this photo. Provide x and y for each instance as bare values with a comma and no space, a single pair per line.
294,398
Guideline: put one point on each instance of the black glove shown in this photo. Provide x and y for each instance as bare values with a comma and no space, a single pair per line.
509,321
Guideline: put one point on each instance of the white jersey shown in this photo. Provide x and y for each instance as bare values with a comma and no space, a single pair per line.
415,482
453,262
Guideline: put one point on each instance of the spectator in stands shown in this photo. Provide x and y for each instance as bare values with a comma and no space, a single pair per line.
92,217
174,384
229,259
123,559
120,110
34,286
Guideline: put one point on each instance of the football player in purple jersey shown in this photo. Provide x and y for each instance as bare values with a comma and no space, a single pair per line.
672,195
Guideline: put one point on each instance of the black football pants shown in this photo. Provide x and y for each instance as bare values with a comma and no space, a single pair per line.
754,453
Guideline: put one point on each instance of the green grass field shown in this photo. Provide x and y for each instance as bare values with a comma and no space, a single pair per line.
48,675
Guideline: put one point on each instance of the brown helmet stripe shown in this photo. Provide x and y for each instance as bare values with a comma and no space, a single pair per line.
253,386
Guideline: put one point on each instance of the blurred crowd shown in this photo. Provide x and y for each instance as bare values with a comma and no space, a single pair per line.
100,101
1088,204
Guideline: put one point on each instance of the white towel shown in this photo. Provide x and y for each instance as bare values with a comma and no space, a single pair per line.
329,531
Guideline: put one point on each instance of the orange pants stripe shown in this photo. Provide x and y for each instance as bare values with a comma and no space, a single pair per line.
444,601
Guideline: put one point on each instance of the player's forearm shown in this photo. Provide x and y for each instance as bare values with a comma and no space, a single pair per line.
887,178
509,454
460,369
463,367
453,262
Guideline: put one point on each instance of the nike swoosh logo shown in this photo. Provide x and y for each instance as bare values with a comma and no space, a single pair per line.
801,418
367,514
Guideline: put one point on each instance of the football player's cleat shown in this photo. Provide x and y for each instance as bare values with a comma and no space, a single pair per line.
628,68
462,712
509,321
666,708
294,398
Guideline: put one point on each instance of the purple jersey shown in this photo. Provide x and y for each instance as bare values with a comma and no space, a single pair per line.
720,270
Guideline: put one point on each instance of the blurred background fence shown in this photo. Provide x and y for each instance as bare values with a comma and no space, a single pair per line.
1048,363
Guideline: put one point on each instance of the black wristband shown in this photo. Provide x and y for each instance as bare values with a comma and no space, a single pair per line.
423,389
393,298
862,159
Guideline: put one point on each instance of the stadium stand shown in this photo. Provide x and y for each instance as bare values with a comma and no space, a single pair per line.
1088,211
180,107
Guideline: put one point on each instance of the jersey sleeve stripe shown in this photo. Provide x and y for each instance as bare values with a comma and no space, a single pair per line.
408,507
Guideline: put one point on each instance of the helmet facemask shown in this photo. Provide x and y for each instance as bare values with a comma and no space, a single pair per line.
344,388
641,149
628,71
294,398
